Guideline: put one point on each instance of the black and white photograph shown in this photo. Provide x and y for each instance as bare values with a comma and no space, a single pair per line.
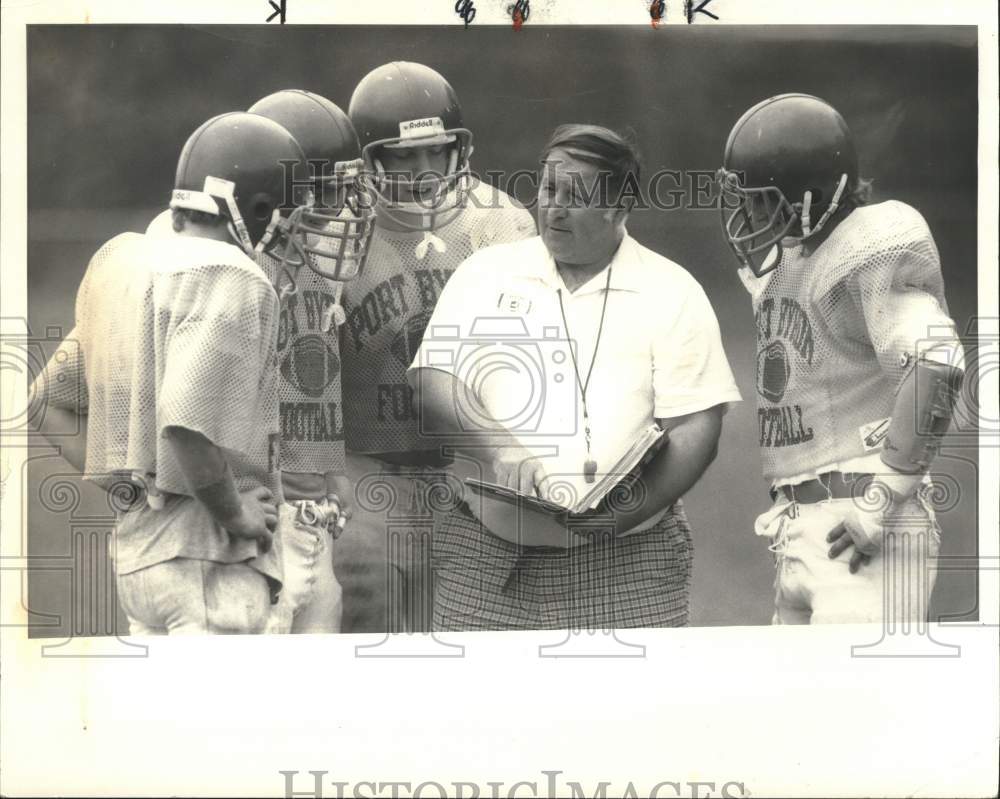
389,386
382,335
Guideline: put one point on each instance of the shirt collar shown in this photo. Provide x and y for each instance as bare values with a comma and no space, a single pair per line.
625,269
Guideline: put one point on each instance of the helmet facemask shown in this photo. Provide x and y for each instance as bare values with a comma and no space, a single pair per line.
329,232
336,228
431,200
755,220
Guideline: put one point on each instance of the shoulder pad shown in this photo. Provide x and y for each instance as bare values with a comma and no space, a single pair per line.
874,237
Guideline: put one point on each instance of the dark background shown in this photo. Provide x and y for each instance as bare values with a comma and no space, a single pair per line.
109,108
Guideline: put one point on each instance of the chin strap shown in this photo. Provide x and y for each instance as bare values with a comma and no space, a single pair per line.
285,283
225,191
272,226
334,315
807,229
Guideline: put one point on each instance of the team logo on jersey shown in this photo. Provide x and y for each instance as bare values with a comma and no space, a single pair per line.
773,371
311,365
407,341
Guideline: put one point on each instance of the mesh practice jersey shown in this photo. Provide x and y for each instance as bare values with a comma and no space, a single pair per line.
312,420
836,331
172,332
388,307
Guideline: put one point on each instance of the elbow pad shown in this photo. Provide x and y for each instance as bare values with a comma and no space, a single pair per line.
925,400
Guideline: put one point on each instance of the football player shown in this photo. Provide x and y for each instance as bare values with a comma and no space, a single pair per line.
176,389
307,257
431,214
854,394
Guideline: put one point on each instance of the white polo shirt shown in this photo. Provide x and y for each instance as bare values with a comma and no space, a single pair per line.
498,328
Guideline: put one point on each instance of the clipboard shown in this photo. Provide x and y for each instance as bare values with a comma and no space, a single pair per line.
519,518
527,520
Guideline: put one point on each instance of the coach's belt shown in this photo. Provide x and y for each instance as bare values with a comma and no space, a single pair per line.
832,485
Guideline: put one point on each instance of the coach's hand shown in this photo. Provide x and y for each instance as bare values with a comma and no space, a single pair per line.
257,517
515,467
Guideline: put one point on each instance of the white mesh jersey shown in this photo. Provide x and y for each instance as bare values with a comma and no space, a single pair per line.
388,307
312,420
172,332
836,331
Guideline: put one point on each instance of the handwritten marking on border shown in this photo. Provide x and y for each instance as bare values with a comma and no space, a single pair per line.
656,11
519,12
280,8
466,10
690,9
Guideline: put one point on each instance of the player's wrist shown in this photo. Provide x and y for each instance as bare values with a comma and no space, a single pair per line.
221,498
900,486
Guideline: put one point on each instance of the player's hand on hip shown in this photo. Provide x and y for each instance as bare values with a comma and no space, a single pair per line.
340,501
517,468
257,517
860,528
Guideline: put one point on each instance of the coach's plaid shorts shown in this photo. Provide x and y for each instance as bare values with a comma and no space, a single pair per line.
482,582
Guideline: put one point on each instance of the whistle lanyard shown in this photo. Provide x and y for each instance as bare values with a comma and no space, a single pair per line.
590,465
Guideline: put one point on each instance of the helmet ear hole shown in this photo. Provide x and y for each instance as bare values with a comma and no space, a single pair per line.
262,208
818,196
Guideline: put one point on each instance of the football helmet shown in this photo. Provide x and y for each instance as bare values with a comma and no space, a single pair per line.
331,232
789,162
403,105
234,166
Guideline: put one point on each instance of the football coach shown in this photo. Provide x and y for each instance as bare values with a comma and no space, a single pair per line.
634,341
